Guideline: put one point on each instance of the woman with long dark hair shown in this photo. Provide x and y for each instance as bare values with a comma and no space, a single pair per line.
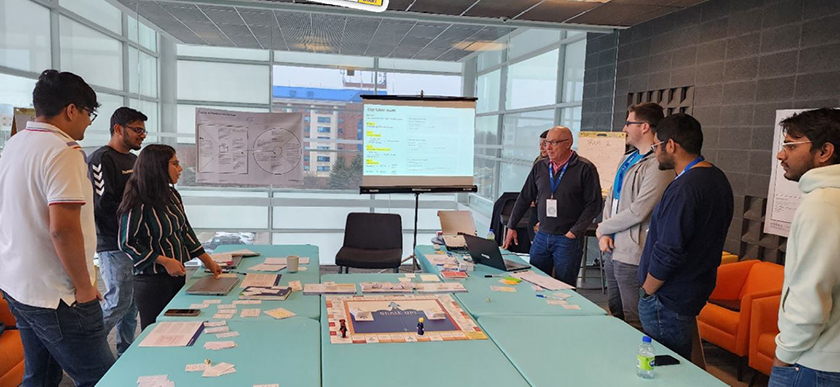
155,232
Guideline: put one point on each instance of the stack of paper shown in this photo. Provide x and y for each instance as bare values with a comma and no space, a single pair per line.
244,253
441,287
173,334
387,287
255,312
222,259
296,286
217,345
274,293
264,280
329,288
218,370
155,381
279,313
542,280
441,259
429,278
267,267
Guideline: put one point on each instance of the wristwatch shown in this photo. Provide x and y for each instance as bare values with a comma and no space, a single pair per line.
643,293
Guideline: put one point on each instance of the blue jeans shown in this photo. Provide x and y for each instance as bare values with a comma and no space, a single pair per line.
670,328
564,254
118,309
800,376
69,338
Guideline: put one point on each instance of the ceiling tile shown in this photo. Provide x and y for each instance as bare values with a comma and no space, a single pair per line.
614,14
259,18
500,8
185,12
558,11
447,7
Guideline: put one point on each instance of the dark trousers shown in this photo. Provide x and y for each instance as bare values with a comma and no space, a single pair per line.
68,338
152,293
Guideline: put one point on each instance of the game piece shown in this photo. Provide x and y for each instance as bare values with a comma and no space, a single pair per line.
343,328
420,326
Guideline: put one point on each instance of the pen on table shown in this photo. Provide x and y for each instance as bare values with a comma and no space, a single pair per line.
540,296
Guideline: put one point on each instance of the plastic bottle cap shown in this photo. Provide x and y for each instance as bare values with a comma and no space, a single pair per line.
646,339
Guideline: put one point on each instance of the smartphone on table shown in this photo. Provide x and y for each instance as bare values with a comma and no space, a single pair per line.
182,312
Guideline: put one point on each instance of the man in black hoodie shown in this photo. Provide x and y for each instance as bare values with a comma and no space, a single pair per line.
110,167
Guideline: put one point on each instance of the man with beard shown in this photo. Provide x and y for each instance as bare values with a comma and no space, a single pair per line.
808,343
110,167
687,231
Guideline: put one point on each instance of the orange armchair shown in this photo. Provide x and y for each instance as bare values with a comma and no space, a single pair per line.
725,320
11,349
764,326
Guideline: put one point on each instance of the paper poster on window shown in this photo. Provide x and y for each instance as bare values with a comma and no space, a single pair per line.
784,195
249,148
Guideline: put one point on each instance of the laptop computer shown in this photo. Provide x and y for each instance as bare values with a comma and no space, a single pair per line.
486,252
209,286
454,225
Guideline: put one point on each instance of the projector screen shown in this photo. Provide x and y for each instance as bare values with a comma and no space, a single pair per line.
418,142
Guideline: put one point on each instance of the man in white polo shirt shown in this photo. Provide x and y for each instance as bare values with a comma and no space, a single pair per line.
48,237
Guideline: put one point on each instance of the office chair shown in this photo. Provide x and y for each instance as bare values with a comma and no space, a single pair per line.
371,241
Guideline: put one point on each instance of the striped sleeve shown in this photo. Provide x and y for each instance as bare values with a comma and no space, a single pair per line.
193,245
134,239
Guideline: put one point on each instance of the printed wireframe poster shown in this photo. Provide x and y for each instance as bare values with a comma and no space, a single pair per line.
249,148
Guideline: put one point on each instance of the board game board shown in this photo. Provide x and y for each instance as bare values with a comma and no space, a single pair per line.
394,318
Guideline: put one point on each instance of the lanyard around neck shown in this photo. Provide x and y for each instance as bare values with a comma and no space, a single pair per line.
694,162
556,184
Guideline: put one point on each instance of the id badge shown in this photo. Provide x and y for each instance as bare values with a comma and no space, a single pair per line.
551,208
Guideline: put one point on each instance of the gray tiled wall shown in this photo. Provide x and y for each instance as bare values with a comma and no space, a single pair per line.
747,58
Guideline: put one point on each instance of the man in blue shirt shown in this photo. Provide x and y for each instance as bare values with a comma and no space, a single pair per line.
688,228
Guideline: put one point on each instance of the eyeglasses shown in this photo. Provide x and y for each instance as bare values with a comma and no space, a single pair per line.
556,142
91,114
136,129
789,146
655,145
628,123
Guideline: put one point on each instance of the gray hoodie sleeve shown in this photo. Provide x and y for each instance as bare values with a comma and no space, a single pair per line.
653,186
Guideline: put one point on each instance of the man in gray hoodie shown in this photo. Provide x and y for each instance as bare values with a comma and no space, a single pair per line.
638,186
808,343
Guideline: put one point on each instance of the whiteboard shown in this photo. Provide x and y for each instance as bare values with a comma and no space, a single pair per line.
605,150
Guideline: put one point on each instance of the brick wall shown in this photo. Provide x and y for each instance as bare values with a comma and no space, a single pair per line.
747,58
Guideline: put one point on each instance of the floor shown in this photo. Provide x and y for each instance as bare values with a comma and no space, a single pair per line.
721,364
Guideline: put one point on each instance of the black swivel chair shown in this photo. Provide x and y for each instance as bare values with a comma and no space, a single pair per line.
501,211
371,241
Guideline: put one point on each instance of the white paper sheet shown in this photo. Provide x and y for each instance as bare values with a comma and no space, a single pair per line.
172,334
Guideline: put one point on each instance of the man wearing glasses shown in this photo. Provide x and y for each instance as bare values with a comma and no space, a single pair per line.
808,343
638,186
567,193
687,231
110,167
48,236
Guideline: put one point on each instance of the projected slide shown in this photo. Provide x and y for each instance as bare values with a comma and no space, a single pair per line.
418,141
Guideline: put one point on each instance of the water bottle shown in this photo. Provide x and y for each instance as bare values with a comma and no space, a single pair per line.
491,236
646,359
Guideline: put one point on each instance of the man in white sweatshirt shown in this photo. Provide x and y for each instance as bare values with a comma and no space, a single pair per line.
808,344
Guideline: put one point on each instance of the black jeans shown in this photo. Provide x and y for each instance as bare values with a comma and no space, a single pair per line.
152,293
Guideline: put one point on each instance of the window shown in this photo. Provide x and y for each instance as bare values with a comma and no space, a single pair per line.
532,82
413,84
324,120
488,88
222,52
322,147
573,71
231,82
323,137
307,118
140,33
90,54
324,159
97,11
24,41
306,158
521,133
186,119
532,40
142,73
323,129
324,168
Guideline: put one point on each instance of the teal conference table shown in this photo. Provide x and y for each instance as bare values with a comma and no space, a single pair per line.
301,305
480,300
449,363
584,351
285,352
